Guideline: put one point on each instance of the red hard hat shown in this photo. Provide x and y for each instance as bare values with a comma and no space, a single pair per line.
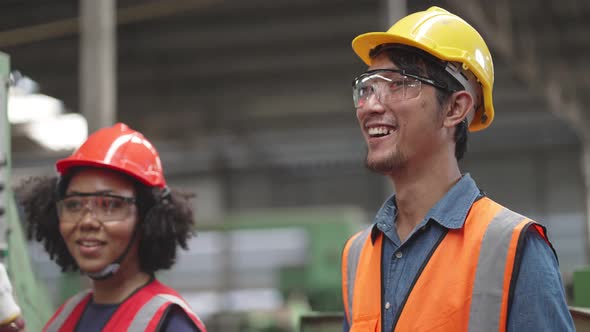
119,148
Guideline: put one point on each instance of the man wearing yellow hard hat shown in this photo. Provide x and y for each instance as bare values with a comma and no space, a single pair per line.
440,255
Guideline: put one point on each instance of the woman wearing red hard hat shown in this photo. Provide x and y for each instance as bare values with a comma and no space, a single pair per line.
110,215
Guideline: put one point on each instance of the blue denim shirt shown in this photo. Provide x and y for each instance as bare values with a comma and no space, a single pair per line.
539,300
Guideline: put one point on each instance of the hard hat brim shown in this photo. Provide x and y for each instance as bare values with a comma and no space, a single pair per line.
64,166
363,44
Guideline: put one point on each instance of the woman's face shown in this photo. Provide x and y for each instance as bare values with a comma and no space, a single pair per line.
97,218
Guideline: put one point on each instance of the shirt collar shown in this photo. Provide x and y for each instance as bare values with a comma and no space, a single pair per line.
450,211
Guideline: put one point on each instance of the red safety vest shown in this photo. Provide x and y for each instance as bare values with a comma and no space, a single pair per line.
465,285
143,311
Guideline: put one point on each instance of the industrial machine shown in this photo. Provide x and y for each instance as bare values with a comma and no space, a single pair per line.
31,294
266,269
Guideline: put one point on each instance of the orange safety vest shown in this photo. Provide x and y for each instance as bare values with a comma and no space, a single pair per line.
465,285
143,311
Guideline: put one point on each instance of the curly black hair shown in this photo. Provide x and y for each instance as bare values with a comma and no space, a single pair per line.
416,61
166,220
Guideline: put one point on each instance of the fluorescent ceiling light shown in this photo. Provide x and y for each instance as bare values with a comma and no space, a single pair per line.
42,118
62,132
23,108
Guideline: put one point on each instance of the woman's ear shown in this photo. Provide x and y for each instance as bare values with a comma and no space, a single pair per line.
458,108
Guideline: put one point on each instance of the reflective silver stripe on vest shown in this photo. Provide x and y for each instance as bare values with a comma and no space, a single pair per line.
488,287
70,305
146,313
354,254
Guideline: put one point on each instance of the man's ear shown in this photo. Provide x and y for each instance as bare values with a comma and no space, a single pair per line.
459,105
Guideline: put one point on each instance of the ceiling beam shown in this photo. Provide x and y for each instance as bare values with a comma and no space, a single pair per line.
71,26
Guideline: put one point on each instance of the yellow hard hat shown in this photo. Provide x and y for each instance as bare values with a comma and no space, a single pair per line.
447,37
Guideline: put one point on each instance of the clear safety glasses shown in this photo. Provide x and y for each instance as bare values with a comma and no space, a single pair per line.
388,85
104,207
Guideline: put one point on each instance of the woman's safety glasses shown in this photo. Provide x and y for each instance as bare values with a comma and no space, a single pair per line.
388,85
104,207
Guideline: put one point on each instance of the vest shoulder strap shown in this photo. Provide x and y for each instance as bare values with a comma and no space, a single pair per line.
71,310
150,315
350,259
495,269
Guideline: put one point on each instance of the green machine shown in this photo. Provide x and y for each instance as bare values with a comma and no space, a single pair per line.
326,231
582,287
311,288
30,293
581,302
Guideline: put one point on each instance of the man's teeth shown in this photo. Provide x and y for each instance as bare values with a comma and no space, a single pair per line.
379,131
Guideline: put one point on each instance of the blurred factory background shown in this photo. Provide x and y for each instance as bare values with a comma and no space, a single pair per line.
249,103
